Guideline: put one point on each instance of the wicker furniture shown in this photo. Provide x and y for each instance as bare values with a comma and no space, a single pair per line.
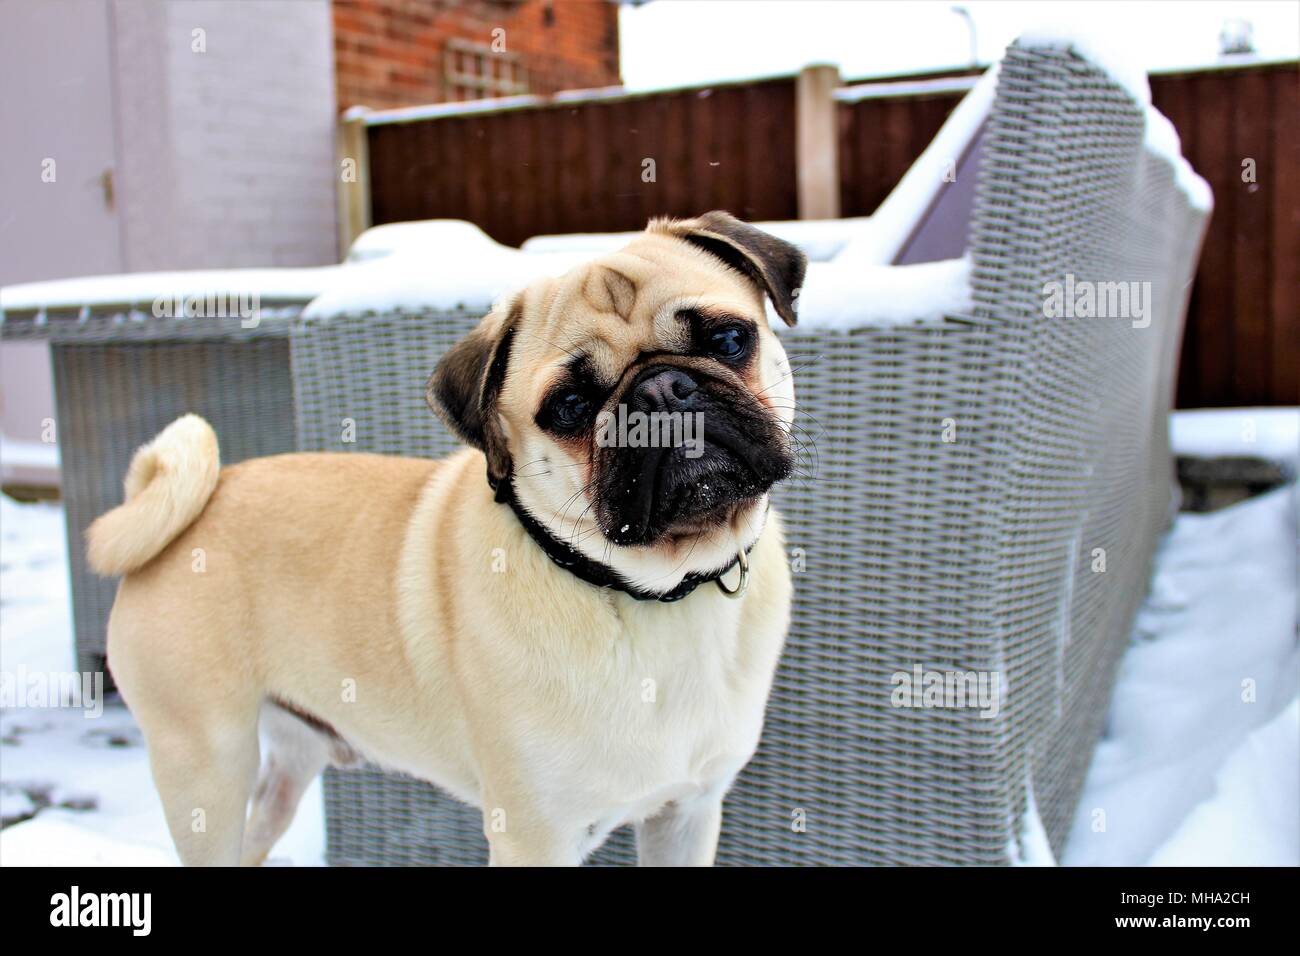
120,376
989,492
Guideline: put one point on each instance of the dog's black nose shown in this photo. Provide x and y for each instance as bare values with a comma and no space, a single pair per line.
665,390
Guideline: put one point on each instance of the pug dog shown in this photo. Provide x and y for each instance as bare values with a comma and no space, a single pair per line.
571,624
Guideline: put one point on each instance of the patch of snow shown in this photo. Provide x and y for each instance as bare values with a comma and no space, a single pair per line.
1251,819
15,803
819,239
838,295
411,114
35,602
500,104
1162,140
593,243
141,289
1269,433
55,752
443,241
1121,56
879,91
1029,845
409,281
1125,59
1224,61
1214,657
497,104
58,838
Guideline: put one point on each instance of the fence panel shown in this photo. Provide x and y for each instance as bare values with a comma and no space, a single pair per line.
581,166
599,165
1238,128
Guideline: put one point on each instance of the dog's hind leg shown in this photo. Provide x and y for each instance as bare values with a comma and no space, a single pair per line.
296,753
204,776
179,655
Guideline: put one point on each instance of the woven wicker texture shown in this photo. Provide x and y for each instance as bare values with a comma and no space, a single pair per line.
119,379
1069,191
964,476
966,481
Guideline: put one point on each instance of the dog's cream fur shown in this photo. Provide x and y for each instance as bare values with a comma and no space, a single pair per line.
168,483
395,602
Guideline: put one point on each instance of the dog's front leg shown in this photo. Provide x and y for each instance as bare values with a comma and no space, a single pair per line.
533,849
683,833
522,839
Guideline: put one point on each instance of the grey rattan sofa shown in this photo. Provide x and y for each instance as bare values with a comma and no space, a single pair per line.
989,491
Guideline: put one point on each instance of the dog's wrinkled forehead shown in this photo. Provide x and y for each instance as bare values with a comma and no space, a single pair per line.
678,287
627,303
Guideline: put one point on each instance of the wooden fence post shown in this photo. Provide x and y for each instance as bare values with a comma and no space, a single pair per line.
817,142
353,172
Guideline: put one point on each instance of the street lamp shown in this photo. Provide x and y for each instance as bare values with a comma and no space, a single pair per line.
970,22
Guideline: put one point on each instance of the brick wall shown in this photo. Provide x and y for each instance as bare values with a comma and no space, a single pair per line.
390,53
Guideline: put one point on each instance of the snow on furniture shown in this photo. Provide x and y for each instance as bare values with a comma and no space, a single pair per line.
441,237
820,239
29,306
991,479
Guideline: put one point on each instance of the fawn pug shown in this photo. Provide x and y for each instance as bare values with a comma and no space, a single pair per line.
568,632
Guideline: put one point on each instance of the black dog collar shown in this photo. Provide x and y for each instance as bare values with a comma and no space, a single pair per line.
602,575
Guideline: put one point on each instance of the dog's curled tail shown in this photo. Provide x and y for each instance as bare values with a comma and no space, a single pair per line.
168,484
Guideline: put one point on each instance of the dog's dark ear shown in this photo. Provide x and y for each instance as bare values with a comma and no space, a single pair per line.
464,388
773,264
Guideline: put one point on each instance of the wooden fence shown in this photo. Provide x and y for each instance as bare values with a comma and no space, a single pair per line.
601,165
606,163
1239,129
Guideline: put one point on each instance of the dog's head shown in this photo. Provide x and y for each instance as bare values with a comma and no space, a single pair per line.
639,407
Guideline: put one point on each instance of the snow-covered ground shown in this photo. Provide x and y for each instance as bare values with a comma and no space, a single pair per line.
1269,433
1200,763
84,776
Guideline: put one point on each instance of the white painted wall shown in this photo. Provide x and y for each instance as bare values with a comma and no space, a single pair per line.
221,156
227,135
220,146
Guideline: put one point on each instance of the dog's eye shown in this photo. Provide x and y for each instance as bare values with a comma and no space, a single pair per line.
570,410
730,342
